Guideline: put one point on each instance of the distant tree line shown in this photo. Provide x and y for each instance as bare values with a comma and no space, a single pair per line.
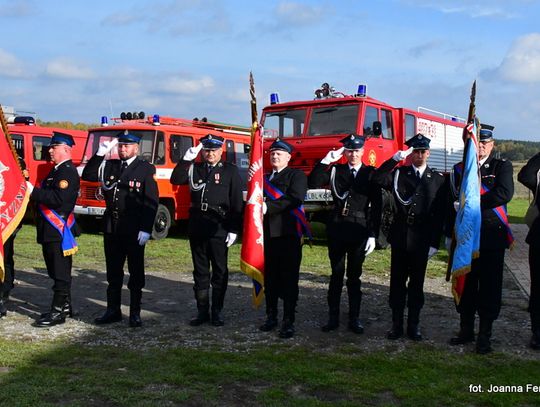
516,150
67,125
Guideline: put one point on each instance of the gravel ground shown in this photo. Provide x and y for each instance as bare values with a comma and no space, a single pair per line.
168,305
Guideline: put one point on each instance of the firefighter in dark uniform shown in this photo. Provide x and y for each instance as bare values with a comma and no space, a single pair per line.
131,197
9,263
420,195
55,200
282,243
529,176
483,284
214,222
353,225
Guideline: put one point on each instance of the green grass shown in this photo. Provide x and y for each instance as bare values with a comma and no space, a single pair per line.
54,373
516,210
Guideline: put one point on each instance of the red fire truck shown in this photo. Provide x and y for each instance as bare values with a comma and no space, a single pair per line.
315,126
164,140
31,141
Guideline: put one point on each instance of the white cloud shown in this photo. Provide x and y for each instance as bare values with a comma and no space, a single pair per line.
478,9
298,13
522,63
64,68
186,86
10,66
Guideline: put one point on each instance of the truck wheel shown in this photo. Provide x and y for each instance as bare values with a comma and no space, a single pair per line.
162,223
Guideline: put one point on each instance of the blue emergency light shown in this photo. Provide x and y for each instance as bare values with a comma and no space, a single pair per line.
274,98
155,120
104,121
362,91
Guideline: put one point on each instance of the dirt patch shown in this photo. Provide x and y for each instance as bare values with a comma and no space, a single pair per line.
168,305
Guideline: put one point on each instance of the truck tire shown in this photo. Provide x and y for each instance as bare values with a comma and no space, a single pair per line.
162,223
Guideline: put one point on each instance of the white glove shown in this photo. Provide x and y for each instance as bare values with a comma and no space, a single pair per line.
432,252
231,238
370,245
401,155
29,186
448,244
192,152
106,146
143,238
265,208
456,206
332,156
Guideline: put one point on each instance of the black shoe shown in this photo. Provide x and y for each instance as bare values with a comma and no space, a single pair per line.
413,332
535,340
3,308
110,316
356,326
217,320
287,330
135,321
331,325
268,325
395,332
483,345
200,319
51,319
462,338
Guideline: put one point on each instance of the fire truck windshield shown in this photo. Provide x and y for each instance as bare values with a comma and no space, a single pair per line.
287,123
150,146
333,120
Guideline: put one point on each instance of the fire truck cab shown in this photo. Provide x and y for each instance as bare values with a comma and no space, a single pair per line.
31,141
164,140
316,126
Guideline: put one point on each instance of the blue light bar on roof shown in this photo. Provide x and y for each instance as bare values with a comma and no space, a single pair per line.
104,121
155,120
274,98
362,91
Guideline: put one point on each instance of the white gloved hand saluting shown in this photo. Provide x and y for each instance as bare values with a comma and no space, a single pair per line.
106,147
192,152
432,252
143,238
332,156
401,155
370,245
29,186
230,239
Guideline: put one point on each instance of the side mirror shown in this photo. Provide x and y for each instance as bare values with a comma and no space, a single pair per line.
377,128
247,148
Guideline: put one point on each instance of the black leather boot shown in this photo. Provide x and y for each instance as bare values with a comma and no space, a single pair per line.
3,308
535,340
333,320
202,308
287,329
413,319
135,297
483,341
354,311
396,331
466,331
217,306
113,312
56,316
271,313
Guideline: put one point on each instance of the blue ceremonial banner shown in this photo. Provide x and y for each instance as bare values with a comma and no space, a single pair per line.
469,215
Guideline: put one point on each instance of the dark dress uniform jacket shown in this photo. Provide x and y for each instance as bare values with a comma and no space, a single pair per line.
528,177
417,226
364,201
216,209
496,175
132,204
278,220
59,191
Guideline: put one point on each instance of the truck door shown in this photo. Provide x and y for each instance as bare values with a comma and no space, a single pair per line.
378,148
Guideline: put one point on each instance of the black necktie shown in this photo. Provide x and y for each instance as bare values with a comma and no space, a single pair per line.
274,173
353,172
417,174
123,167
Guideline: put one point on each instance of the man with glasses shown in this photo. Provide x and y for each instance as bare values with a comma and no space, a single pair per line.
131,196
215,219
483,284
420,195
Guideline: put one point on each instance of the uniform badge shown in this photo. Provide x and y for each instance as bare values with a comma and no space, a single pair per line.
111,177
63,184
131,184
216,178
137,184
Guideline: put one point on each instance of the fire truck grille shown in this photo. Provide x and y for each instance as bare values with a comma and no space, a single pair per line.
88,192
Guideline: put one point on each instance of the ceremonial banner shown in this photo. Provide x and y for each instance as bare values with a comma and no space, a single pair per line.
469,215
14,194
252,255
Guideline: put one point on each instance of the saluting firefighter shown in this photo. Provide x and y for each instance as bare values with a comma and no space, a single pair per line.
214,221
353,225
284,226
56,227
420,195
131,198
483,284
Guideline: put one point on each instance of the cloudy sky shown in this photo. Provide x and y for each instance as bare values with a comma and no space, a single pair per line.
80,60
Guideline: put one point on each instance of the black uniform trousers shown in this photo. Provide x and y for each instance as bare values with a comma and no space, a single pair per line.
353,252
411,265
534,299
282,256
9,266
118,248
206,252
58,268
483,286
